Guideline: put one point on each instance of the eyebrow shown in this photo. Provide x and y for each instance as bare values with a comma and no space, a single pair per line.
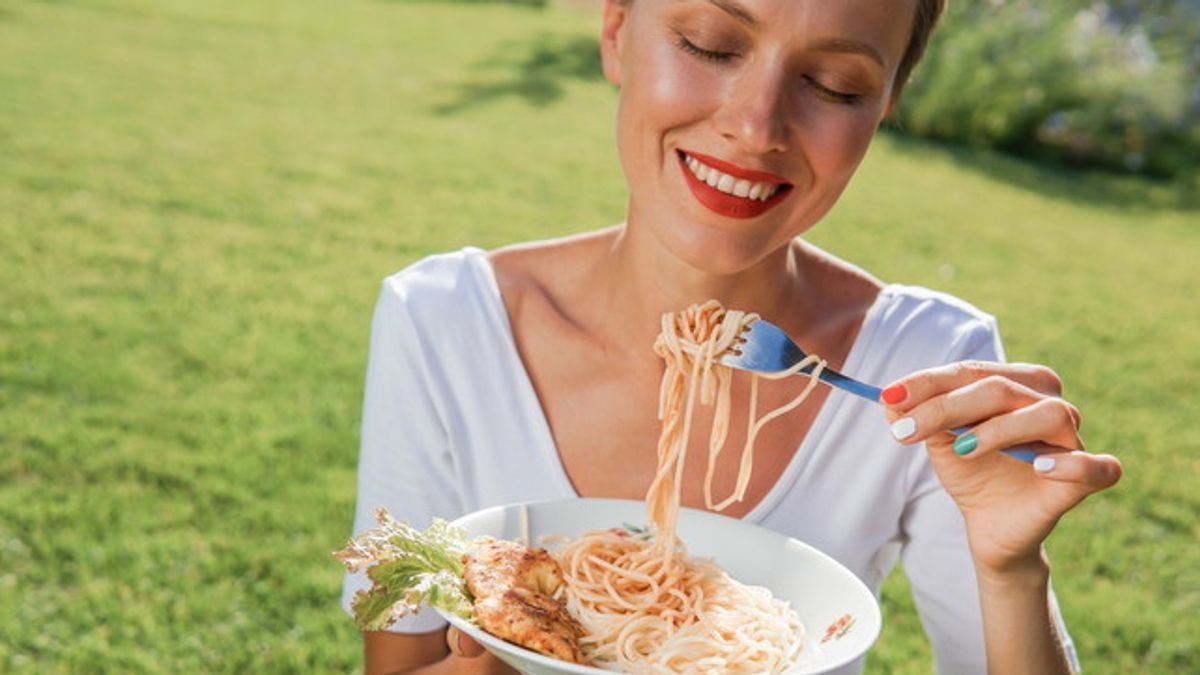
845,46
737,11
831,44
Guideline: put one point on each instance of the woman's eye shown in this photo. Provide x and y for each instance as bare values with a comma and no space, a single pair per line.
832,95
706,54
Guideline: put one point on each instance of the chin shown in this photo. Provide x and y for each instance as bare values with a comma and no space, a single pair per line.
717,251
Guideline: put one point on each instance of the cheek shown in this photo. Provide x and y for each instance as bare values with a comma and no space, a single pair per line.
838,142
681,84
665,90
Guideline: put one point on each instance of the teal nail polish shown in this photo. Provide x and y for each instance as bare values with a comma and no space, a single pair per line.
965,444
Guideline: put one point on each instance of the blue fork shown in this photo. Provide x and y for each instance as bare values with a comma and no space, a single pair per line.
765,348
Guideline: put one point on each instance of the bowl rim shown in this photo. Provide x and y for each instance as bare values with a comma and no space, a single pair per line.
498,644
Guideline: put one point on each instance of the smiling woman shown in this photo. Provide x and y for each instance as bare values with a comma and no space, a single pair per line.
739,125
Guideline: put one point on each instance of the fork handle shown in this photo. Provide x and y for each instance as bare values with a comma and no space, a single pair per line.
836,379
1021,452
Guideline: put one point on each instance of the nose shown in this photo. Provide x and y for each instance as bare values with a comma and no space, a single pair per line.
755,112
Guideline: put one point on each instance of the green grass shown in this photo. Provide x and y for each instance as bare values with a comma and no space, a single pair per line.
197,203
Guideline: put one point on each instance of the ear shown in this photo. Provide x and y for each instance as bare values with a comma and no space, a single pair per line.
611,40
890,107
893,102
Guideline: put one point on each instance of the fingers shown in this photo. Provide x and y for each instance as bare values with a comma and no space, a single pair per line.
461,644
914,389
1093,472
1013,413
1050,421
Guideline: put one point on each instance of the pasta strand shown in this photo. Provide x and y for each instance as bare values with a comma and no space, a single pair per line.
646,607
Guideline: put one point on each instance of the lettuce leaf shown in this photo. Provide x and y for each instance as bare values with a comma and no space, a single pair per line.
408,568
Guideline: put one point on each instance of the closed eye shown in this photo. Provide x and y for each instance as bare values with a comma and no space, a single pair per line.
832,95
706,54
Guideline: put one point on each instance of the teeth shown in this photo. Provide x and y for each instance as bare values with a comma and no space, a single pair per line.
761,191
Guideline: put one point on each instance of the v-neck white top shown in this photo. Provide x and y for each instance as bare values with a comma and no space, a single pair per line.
452,424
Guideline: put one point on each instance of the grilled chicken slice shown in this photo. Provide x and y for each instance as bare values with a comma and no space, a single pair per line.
513,587
532,620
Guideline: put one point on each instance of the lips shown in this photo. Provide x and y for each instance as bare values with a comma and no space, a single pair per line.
751,184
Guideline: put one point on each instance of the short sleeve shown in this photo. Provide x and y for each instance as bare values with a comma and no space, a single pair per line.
405,464
936,556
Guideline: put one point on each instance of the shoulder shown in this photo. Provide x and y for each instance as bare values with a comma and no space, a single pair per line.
448,291
439,305
548,280
431,282
550,263
923,309
925,327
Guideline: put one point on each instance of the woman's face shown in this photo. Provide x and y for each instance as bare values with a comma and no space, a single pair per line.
740,122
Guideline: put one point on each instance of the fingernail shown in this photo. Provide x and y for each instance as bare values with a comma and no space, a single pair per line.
458,636
965,444
1043,464
894,394
904,427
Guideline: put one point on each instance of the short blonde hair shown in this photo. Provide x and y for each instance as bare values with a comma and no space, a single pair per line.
924,20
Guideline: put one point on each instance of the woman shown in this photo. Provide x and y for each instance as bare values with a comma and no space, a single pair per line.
527,373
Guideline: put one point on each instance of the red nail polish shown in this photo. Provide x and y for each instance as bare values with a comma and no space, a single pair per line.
894,394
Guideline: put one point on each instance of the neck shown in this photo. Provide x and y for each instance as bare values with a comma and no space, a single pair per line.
642,280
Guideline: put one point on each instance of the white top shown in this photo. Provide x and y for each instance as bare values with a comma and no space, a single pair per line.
451,424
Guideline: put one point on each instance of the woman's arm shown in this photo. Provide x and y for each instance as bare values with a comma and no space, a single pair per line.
387,653
405,467
1008,506
1018,629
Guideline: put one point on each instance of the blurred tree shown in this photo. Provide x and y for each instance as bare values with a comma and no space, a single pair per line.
1092,83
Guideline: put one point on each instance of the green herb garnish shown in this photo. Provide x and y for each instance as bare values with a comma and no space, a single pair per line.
408,568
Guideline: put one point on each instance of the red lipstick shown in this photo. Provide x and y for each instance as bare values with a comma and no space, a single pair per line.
725,204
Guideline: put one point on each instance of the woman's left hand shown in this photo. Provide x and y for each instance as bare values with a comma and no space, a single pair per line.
1009,506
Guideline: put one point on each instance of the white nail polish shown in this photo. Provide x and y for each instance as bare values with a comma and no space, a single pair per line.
904,427
1043,464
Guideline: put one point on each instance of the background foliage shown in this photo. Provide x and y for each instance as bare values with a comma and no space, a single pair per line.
197,204
1113,85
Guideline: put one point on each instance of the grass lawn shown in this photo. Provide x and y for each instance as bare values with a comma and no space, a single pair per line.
197,204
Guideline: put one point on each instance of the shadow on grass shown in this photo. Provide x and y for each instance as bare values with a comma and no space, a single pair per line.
1088,187
536,71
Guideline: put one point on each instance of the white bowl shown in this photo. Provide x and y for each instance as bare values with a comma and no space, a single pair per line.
820,589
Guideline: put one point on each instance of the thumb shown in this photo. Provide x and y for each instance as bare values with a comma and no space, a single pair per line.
461,644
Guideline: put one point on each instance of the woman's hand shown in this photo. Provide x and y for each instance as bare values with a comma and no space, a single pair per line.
1009,506
437,652
480,660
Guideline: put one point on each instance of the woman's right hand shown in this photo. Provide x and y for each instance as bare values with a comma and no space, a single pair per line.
1009,507
478,659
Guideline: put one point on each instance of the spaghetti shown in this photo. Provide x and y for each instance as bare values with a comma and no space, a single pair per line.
644,605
